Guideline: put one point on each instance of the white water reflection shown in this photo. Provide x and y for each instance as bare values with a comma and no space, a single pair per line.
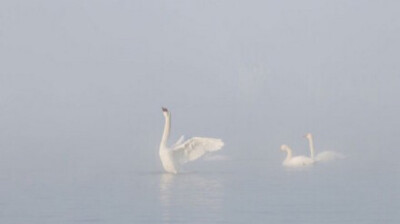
187,196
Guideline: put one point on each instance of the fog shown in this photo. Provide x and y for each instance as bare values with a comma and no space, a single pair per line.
82,84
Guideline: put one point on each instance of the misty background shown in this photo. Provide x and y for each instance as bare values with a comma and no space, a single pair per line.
82,84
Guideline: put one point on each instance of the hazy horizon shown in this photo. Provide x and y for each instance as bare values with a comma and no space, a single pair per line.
82,84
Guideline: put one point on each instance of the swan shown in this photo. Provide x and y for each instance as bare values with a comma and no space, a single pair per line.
182,152
296,161
323,156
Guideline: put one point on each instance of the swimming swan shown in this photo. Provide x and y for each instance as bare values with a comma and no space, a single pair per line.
183,152
323,156
296,161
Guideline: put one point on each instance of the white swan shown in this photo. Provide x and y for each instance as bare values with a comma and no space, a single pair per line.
323,156
296,161
183,152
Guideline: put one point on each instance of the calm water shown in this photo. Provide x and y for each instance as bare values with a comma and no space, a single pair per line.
232,191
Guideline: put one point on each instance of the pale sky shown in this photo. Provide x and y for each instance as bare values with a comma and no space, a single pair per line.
83,82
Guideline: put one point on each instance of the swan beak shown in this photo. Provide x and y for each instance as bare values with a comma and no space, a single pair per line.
164,109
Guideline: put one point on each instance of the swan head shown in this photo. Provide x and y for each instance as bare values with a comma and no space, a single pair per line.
308,136
284,147
165,111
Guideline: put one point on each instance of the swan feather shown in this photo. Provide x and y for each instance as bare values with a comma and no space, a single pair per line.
196,147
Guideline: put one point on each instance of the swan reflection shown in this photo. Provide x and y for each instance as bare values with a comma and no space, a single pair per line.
186,195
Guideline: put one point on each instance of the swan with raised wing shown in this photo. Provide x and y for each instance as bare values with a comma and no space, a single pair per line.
322,156
297,161
183,151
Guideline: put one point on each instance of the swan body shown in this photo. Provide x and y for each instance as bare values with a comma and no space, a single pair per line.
297,161
183,151
324,156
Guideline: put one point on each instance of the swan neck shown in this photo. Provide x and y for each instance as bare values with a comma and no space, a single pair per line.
289,154
311,143
167,127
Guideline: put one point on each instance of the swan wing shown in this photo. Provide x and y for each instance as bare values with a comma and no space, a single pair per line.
179,142
195,148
